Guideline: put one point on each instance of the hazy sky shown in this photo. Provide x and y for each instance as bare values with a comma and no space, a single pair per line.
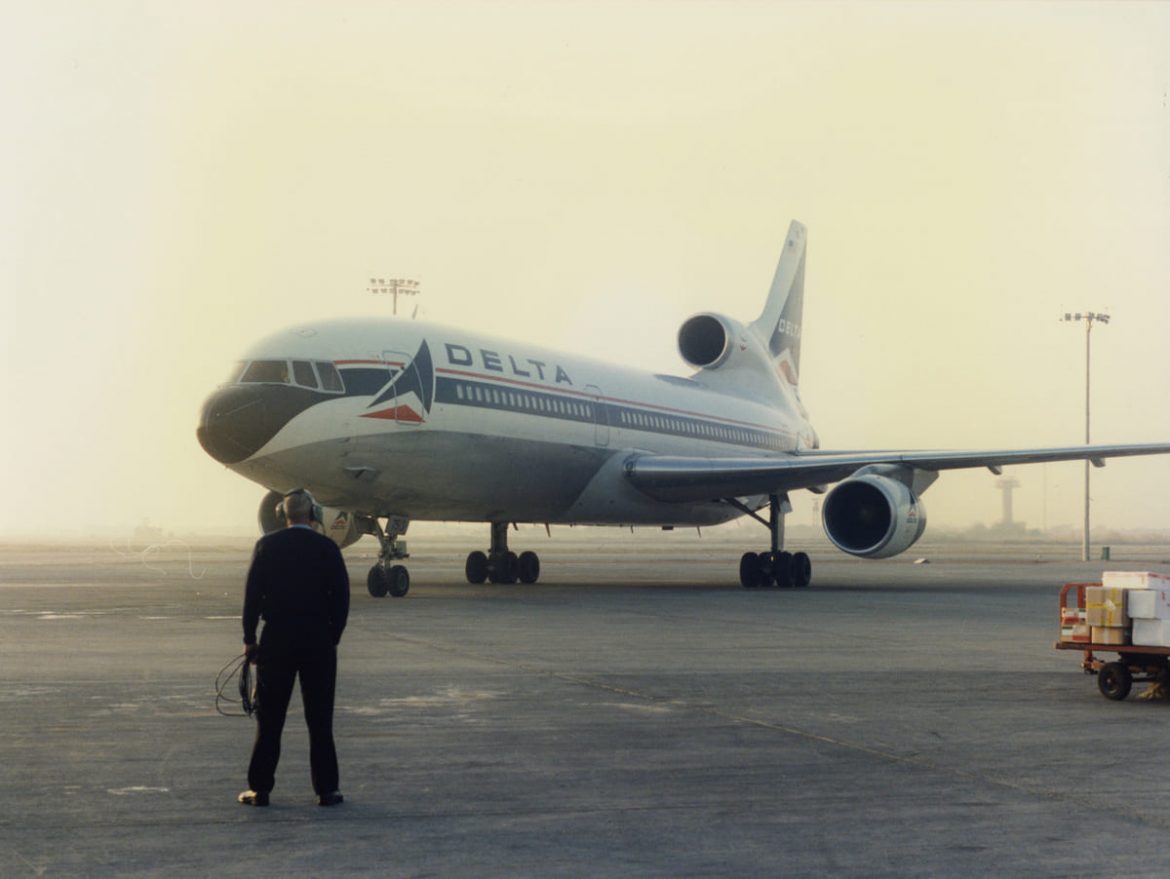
178,179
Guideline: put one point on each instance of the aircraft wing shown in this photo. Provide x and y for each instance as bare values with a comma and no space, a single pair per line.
693,479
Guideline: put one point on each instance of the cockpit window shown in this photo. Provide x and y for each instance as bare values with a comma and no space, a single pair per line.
266,372
303,373
330,380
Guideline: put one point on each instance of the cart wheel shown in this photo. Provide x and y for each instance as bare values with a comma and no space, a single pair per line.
1114,680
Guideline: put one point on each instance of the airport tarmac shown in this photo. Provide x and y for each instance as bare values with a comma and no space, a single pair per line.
635,714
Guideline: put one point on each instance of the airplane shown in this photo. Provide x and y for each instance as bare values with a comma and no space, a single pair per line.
386,421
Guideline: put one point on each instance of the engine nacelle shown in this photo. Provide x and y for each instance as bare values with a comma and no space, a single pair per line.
341,526
707,340
873,516
270,517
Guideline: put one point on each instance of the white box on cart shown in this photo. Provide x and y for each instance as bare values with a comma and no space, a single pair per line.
1136,580
1149,604
1151,633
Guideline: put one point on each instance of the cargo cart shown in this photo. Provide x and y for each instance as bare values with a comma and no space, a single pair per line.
1115,678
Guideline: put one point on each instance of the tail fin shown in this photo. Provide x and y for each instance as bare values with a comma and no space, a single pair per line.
780,324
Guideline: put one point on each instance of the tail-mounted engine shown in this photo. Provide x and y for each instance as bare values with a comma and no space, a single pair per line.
731,356
341,526
734,359
709,341
877,513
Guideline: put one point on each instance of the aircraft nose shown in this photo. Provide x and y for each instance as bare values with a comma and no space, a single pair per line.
235,423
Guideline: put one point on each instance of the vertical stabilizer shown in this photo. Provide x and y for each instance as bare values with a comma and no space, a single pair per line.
780,324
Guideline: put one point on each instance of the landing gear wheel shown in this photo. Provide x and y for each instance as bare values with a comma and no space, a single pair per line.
781,563
800,569
767,570
398,581
528,567
749,570
1114,680
377,582
503,567
476,567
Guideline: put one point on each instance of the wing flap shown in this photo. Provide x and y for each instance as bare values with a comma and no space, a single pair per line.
694,479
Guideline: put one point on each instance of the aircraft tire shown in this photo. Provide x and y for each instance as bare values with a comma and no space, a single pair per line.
750,575
782,568
476,568
503,567
800,569
399,581
528,568
376,582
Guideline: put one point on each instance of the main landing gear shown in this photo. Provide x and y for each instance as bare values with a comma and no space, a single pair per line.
775,567
501,565
386,577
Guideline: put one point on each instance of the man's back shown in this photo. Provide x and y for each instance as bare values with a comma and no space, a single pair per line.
299,585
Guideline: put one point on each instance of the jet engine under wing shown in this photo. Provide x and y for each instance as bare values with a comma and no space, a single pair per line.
692,479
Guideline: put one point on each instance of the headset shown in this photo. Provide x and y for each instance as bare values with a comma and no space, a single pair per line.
316,513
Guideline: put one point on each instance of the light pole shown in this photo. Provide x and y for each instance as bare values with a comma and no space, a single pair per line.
395,287
1089,318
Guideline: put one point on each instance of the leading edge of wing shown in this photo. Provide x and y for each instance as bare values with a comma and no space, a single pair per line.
689,479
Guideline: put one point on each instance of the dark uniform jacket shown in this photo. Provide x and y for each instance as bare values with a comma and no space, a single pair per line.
299,585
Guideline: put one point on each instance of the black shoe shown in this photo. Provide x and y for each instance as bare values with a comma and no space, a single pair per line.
330,799
253,798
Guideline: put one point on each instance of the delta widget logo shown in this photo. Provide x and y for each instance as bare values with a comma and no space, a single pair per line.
410,393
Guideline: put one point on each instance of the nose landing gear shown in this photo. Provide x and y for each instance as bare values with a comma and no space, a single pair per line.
386,577
499,564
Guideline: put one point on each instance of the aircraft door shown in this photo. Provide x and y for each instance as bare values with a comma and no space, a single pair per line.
407,400
600,417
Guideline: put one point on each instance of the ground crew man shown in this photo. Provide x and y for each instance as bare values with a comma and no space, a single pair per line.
299,586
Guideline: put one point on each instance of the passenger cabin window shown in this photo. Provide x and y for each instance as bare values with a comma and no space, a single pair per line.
266,372
330,380
303,373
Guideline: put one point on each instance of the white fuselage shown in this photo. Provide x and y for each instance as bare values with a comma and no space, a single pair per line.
439,423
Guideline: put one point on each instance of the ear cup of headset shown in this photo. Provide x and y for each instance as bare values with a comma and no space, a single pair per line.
316,512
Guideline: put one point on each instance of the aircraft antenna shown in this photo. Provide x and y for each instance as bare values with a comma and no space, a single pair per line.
394,287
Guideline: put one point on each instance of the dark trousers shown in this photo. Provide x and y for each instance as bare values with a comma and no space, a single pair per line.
279,666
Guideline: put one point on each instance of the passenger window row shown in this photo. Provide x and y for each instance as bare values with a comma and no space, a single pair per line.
506,399
695,428
473,392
